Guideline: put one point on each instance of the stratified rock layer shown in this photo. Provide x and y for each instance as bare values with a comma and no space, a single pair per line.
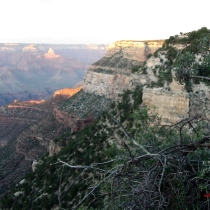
112,74
134,50
171,106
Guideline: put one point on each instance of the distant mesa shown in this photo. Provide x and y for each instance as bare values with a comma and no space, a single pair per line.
7,47
30,48
50,54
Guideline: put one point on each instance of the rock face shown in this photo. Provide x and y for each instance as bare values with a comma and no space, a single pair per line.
106,84
112,74
171,106
50,54
200,100
30,48
66,92
134,50
53,149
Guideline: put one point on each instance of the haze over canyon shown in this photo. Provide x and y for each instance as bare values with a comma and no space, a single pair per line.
35,71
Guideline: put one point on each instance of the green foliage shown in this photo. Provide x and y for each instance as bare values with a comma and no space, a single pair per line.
156,52
164,76
149,55
137,97
196,37
203,69
104,71
171,54
83,148
171,40
83,103
186,66
191,39
144,70
135,69
126,105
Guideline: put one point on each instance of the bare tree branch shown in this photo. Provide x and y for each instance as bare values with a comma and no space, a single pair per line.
131,139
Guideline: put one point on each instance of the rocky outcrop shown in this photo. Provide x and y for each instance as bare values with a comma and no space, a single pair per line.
106,84
200,100
112,74
66,92
34,164
8,47
50,54
30,48
26,74
170,106
53,149
134,50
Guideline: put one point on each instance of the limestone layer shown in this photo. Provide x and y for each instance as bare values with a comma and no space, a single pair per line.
170,106
135,50
112,74
106,84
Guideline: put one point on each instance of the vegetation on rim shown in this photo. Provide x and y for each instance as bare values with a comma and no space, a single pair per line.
187,55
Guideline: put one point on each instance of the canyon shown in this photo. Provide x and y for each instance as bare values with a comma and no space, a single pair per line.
36,71
27,131
30,128
131,102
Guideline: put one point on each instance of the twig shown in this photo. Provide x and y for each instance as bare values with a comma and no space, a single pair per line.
131,139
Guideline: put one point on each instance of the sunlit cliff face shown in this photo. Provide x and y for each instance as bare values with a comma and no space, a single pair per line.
66,92
30,48
135,50
112,74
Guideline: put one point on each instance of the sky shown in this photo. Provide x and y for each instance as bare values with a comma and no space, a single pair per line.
98,21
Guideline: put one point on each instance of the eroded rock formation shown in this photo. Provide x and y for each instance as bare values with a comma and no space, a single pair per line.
51,54
66,92
26,74
134,50
112,74
170,106
30,48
